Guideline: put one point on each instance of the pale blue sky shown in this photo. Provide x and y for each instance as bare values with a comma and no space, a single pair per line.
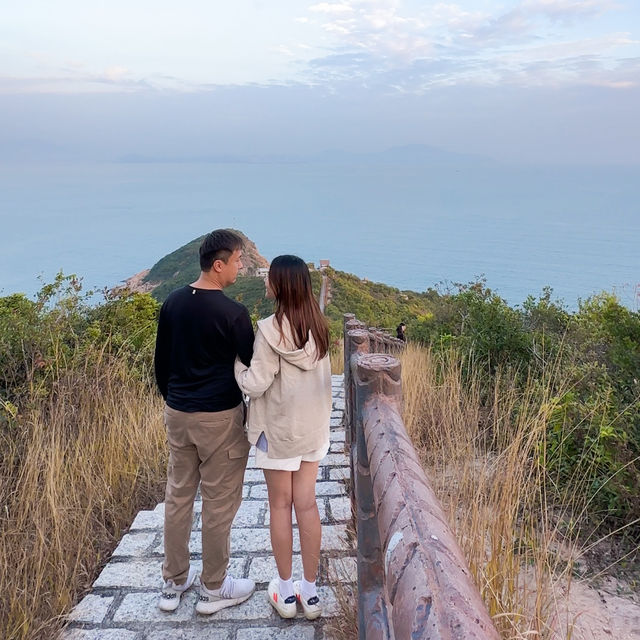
411,69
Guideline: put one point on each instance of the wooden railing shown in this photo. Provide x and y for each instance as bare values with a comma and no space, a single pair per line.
413,581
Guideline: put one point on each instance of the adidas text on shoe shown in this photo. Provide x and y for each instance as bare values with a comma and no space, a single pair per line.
310,607
171,592
232,591
286,607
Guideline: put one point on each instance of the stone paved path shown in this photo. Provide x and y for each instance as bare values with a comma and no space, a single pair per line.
122,604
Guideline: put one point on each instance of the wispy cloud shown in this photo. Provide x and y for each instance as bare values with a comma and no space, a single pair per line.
331,8
74,78
376,39
568,11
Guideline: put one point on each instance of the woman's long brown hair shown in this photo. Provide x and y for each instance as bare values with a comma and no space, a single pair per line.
291,284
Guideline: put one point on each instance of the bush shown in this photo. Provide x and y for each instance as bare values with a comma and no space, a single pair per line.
39,339
479,321
597,425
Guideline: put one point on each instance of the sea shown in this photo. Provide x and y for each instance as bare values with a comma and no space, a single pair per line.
412,226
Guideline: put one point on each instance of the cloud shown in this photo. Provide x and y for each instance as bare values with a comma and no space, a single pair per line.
567,11
330,8
376,40
116,73
114,79
528,20
403,45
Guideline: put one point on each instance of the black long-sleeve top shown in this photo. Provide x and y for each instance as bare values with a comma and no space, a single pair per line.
200,332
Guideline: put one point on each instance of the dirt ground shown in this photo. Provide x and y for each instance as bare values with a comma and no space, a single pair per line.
610,610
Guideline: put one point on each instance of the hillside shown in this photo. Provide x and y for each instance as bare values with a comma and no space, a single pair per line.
377,304
181,267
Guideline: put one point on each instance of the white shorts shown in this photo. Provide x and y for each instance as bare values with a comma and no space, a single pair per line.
263,461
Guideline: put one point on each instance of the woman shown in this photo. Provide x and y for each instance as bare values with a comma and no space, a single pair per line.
289,384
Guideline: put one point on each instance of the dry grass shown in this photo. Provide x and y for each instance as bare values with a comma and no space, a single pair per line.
336,355
76,467
485,459
344,626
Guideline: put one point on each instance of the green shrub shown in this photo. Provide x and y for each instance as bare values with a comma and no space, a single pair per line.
41,339
482,323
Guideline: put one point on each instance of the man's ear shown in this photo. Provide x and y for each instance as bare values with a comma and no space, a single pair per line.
218,265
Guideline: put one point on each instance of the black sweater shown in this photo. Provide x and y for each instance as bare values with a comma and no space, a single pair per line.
200,332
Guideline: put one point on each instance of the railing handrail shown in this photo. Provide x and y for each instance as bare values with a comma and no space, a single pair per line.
413,580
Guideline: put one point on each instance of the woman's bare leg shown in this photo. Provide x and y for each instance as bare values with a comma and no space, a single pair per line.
304,501
279,486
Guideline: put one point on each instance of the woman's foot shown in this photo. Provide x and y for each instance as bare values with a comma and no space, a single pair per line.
310,606
286,607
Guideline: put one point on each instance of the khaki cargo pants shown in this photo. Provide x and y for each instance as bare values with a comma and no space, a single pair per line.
209,449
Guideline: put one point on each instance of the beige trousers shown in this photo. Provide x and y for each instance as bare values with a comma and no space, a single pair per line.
209,449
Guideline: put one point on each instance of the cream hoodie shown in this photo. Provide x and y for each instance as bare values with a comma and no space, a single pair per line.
290,392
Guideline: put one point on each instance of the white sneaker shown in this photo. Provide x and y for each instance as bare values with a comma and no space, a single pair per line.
171,592
286,607
231,592
311,607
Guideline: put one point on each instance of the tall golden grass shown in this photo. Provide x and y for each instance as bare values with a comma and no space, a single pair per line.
485,459
76,466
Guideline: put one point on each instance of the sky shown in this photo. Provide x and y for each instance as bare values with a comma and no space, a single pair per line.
517,80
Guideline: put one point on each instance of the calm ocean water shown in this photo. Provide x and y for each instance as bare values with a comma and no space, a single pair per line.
574,229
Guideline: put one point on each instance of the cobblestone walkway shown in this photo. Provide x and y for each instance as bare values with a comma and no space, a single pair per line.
123,602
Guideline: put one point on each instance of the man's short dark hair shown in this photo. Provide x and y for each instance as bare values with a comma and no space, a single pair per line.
218,245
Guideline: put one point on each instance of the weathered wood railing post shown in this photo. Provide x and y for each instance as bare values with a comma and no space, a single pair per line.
350,324
373,622
374,343
347,317
356,344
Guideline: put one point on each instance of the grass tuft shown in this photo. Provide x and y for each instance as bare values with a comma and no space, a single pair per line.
76,466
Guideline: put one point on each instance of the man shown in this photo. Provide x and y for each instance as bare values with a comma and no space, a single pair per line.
200,332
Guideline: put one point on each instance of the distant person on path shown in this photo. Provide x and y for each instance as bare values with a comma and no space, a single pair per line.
200,334
289,385
400,332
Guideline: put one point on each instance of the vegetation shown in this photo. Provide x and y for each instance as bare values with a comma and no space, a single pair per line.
376,304
82,445
250,291
587,367
181,267
176,269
